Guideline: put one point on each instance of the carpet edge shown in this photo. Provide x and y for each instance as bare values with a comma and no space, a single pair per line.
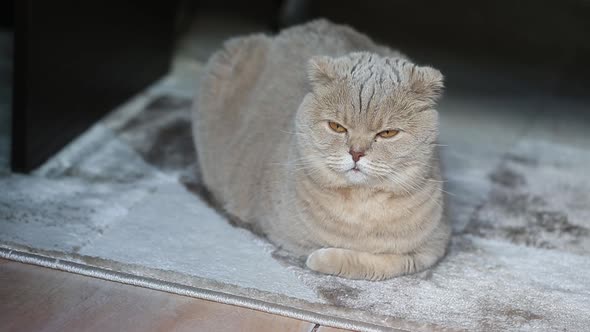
190,291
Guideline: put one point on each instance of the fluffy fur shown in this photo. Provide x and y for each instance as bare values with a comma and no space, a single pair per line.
269,157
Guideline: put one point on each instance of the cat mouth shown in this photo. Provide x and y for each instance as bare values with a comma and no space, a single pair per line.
355,169
356,175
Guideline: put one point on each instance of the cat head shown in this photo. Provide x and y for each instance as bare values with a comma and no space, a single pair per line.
368,121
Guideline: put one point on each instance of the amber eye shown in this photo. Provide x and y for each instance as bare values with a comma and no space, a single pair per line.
337,127
388,133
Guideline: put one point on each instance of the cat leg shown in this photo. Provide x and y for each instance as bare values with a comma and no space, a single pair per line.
363,265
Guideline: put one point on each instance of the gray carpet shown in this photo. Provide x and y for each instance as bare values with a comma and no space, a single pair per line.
124,202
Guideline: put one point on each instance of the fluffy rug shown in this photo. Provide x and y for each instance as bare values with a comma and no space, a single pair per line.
123,202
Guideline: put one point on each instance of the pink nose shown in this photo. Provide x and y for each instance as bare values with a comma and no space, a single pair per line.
356,155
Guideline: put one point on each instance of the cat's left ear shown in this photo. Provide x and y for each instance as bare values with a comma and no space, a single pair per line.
321,71
427,83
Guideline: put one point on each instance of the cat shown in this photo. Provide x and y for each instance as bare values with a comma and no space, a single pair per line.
326,143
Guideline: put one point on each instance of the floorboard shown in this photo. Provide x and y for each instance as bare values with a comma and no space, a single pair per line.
41,299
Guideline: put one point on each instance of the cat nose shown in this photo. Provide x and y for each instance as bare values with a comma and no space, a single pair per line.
356,155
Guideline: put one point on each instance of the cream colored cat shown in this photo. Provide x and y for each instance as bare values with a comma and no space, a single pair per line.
325,142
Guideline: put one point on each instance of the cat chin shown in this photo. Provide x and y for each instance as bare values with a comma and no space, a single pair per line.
356,176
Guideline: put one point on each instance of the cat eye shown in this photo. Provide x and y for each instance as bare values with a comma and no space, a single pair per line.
337,127
388,133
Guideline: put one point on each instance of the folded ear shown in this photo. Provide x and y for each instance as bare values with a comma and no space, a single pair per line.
321,71
426,83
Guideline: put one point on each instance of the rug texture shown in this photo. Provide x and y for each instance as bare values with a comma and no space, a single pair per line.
124,202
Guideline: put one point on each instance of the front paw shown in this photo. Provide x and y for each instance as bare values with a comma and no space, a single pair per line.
328,261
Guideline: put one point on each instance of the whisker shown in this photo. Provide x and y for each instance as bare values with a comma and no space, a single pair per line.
448,192
291,132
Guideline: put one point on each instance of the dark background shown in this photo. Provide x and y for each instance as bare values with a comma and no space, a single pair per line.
533,41
75,61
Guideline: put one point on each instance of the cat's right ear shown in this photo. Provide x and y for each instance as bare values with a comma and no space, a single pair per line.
321,71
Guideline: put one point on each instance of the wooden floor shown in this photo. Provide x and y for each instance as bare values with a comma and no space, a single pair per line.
39,299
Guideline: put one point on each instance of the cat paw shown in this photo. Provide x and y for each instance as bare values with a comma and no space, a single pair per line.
357,265
327,261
